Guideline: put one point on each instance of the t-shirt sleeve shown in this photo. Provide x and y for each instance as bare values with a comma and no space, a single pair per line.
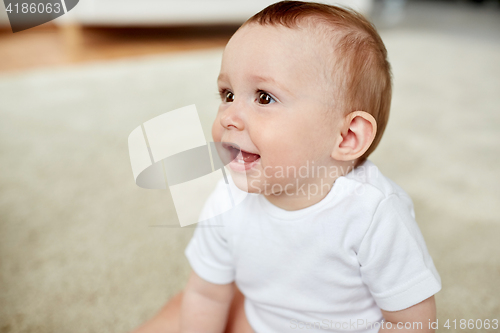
208,251
395,263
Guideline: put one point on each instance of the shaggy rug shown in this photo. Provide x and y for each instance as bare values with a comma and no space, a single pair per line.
80,245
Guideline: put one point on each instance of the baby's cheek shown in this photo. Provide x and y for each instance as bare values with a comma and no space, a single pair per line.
283,158
216,130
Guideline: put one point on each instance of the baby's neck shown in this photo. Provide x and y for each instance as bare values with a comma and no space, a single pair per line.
307,192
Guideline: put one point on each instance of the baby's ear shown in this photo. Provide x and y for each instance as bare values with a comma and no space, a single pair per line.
355,137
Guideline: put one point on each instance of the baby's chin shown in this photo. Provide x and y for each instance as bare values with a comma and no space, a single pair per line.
245,183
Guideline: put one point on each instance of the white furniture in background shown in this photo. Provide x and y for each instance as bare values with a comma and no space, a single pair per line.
176,12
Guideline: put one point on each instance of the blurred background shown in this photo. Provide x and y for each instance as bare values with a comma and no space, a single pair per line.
83,249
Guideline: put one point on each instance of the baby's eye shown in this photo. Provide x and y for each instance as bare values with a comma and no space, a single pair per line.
228,96
265,98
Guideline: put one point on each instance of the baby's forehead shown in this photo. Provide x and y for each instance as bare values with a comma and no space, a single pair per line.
314,40
323,35
295,59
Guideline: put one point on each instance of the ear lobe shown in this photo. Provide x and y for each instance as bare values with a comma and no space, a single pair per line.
356,136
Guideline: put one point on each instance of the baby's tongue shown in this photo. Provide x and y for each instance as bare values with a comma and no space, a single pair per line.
249,157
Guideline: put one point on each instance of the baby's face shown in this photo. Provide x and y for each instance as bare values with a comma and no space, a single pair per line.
276,106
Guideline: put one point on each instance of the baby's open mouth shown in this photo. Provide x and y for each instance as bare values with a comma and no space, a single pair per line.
239,155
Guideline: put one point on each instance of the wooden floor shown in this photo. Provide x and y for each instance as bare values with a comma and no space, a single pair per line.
50,45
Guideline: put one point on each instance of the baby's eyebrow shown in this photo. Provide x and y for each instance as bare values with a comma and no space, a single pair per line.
258,78
222,77
271,80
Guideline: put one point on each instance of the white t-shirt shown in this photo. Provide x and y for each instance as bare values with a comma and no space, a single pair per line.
328,267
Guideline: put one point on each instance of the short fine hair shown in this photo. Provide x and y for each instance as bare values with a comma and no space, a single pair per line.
361,72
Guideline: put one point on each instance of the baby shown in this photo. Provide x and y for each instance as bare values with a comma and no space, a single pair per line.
323,241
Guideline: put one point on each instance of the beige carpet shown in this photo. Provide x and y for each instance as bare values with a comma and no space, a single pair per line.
79,251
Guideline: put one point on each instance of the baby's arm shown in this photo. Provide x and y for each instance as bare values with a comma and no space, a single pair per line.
205,306
423,312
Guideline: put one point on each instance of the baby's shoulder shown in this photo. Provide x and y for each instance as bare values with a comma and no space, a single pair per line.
369,175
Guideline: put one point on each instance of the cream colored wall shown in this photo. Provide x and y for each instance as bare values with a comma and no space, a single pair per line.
4,20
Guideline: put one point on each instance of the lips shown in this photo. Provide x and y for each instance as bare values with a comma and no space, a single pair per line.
241,160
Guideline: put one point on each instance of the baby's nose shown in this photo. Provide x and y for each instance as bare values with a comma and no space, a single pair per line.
231,118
